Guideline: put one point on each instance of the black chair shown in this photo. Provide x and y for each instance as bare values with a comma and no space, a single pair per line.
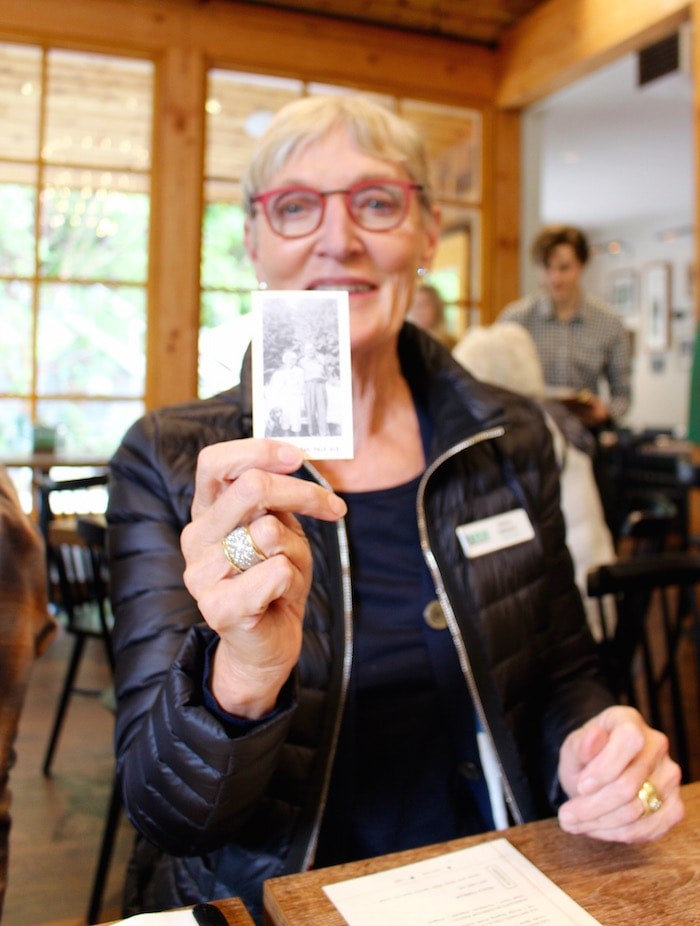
104,858
661,587
688,473
93,534
650,527
77,574
641,465
79,589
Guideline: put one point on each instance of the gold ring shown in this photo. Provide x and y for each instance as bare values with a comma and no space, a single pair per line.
649,797
241,550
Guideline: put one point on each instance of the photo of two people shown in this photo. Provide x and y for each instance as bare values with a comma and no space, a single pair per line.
301,371
298,388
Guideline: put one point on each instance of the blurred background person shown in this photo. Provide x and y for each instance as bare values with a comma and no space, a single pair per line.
580,340
505,354
428,312
26,629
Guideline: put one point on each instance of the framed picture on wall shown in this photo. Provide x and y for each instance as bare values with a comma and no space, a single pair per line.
690,275
656,306
622,288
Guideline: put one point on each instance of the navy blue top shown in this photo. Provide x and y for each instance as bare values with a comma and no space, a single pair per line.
407,771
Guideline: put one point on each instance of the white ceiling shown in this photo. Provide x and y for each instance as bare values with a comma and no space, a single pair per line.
612,152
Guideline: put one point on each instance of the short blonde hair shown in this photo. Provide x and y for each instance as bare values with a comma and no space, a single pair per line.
503,354
374,129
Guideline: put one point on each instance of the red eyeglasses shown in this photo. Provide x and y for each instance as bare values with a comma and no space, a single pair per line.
375,205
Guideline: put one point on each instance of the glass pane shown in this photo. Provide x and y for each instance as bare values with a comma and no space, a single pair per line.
459,251
15,427
23,481
453,139
93,226
23,174
17,204
225,263
224,336
239,108
98,111
16,341
91,340
89,428
20,95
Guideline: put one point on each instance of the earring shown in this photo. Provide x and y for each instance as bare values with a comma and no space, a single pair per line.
421,271
262,284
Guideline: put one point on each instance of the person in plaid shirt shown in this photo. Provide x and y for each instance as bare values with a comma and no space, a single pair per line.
581,341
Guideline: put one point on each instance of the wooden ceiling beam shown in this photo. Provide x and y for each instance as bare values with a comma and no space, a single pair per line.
317,48
563,40
244,37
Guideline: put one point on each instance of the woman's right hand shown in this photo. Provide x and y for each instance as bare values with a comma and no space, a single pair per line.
258,613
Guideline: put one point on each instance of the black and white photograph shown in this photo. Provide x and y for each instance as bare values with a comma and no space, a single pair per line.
301,371
622,293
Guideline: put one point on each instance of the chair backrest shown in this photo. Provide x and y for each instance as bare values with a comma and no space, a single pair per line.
645,572
646,469
76,562
70,497
657,607
650,525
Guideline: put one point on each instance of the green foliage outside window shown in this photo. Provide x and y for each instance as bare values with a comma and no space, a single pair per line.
94,235
17,206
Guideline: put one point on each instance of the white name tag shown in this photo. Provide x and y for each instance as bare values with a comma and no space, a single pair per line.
496,533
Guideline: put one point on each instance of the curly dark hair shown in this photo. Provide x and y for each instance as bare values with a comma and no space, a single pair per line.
552,236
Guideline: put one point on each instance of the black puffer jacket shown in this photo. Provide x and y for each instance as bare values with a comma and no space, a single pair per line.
232,810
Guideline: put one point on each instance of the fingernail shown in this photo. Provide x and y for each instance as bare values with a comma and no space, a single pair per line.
587,785
565,815
337,505
288,454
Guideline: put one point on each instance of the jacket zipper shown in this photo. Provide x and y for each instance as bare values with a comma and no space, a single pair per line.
341,531
450,618
344,554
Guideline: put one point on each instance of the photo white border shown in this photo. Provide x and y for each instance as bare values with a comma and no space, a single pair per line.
265,305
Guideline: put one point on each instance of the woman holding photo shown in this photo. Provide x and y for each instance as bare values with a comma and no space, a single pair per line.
363,667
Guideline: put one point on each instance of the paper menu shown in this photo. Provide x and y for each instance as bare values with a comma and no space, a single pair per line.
491,884
169,918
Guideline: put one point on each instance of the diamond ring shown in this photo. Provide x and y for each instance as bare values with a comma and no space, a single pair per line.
649,797
241,550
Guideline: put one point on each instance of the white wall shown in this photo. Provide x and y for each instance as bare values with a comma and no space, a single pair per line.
661,378
617,161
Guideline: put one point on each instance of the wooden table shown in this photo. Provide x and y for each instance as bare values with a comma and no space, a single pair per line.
645,885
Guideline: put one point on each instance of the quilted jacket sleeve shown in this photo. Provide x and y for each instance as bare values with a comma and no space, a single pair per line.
187,781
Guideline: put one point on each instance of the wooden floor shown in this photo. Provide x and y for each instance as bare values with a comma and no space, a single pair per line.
58,821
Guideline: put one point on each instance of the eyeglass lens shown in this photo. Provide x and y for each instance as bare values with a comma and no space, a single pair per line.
374,207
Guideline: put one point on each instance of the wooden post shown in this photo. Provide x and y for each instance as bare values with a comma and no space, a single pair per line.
176,222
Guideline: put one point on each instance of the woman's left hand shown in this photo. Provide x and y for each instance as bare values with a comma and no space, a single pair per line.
602,767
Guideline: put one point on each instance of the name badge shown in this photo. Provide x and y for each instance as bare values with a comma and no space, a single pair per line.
495,533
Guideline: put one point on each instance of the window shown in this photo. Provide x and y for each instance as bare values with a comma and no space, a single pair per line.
74,200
